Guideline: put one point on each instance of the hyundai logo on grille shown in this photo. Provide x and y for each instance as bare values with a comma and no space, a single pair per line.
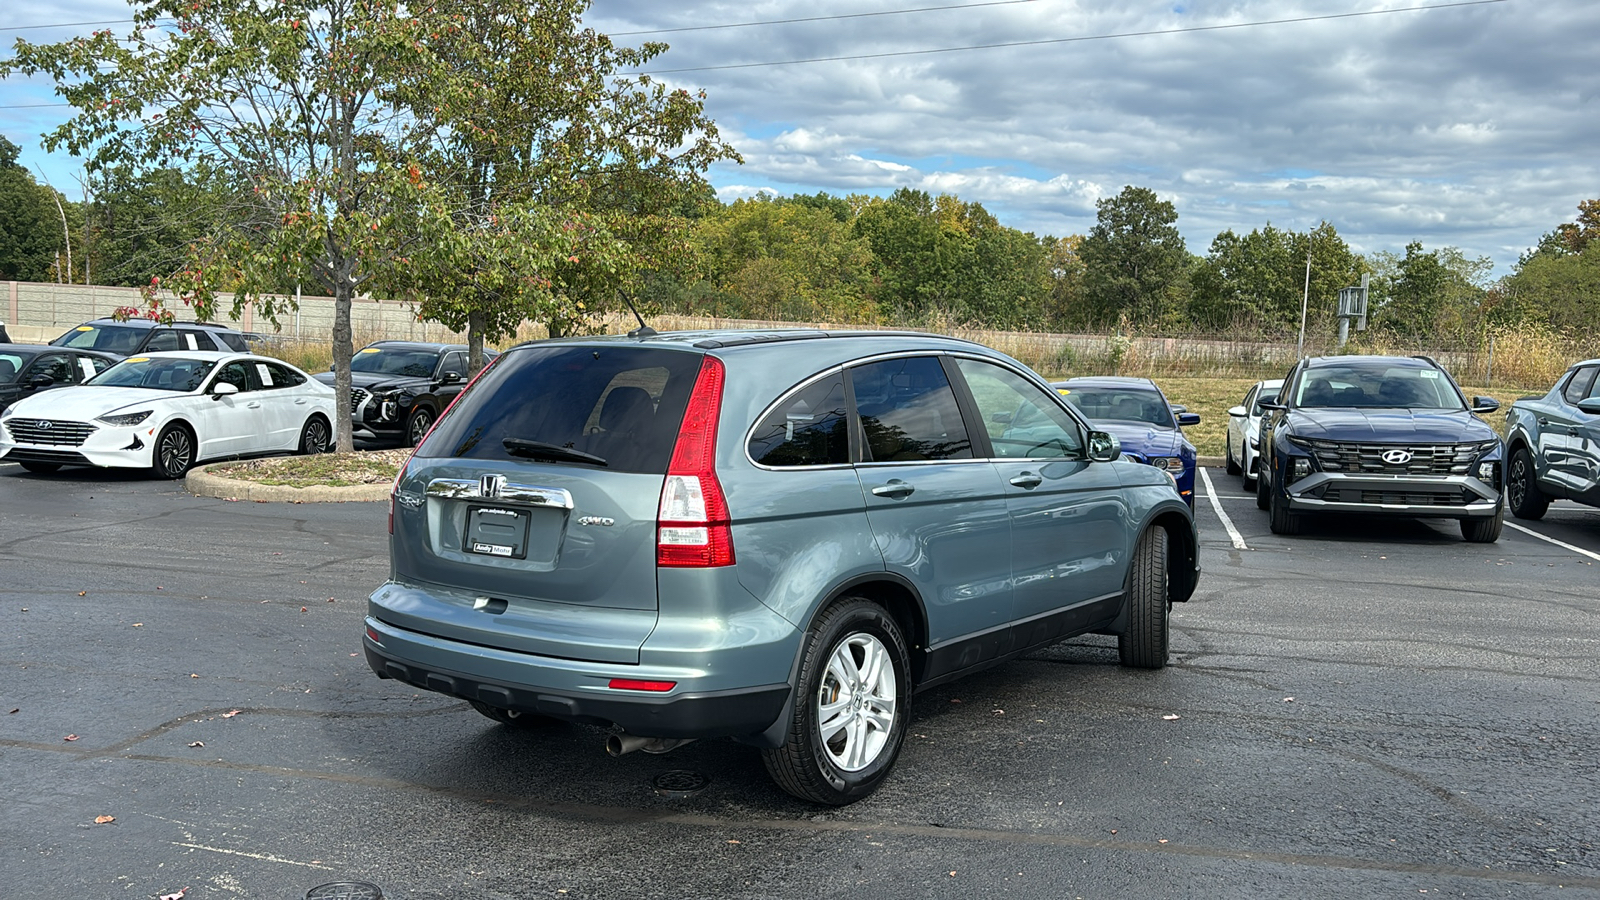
1397,457
44,423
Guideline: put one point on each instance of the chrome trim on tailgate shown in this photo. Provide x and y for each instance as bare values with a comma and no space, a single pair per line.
501,490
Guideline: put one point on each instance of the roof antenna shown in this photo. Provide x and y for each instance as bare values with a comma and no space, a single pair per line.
643,330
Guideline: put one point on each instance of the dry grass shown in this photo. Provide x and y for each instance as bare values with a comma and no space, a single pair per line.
333,469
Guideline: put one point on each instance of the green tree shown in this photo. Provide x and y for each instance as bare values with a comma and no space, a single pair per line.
1065,306
139,224
308,102
30,228
1257,282
1134,258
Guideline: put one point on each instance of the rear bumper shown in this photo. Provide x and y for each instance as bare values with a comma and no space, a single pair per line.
1426,496
573,690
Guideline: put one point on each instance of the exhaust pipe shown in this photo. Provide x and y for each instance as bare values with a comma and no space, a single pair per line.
623,743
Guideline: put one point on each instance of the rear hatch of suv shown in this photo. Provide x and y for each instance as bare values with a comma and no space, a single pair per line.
527,521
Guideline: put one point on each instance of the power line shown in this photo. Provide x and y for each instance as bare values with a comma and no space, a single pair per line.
887,12
73,24
1070,40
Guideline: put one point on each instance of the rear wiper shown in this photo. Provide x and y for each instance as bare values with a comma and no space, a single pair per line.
541,450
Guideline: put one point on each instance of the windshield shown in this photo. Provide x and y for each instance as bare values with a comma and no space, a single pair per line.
386,361
164,374
110,338
11,365
1377,386
1121,404
1269,391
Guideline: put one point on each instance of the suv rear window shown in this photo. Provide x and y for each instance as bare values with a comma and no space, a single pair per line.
621,403
110,338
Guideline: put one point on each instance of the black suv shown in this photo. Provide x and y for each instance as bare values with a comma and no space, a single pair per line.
398,388
1379,435
145,336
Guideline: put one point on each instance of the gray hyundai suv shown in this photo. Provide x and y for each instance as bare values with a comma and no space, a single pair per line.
777,537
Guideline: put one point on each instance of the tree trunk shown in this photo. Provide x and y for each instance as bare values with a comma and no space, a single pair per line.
474,342
343,352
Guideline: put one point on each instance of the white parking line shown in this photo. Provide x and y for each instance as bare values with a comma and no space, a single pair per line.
1233,533
1578,550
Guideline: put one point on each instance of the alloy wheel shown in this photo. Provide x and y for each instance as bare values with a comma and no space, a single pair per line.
856,702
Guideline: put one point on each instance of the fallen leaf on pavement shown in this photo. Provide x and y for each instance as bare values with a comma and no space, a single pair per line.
302,609
198,744
193,675
83,593
1288,699
177,896
1162,840
19,709
104,820
231,713
733,842
1172,718
138,625
70,737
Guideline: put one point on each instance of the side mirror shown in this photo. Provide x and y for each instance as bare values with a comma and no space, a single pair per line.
1104,447
1590,405
1485,404
1188,418
223,389
1177,408
1238,412
450,378
1273,405
330,367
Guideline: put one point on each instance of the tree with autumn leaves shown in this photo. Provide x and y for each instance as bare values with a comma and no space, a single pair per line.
492,165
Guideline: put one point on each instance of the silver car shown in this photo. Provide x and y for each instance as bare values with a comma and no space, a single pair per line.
1244,431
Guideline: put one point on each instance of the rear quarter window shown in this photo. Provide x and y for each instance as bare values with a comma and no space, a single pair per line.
621,403
807,428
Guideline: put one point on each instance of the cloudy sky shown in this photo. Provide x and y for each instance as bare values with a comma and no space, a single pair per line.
1475,125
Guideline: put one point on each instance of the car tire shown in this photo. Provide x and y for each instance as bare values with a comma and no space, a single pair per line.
1263,484
1483,531
41,468
1233,465
417,425
315,436
174,452
1522,487
511,717
839,751
1279,518
1143,642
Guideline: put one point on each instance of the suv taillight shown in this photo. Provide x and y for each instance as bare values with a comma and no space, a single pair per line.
692,522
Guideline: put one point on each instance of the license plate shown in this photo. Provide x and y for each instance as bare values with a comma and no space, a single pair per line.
497,531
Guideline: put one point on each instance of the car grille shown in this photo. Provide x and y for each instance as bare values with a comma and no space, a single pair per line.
49,432
1405,498
1426,459
357,396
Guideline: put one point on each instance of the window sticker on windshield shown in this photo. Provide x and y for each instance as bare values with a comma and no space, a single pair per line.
371,350
86,367
140,359
1429,373
266,376
85,328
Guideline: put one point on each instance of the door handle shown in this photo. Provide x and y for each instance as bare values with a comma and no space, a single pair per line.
895,488
253,404
1543,421
300,402
1028,480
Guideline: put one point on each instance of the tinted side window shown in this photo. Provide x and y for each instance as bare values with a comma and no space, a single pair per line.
231,341
623,404
235,374
162,340
908,411
1023,422
57,367
1582,381
809,428
454,362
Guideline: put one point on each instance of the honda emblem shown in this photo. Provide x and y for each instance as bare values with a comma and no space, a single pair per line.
490,485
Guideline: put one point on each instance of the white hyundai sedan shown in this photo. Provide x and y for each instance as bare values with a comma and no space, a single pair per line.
168,411
1244,431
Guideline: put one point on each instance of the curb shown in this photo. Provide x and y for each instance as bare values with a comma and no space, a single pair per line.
203,484
1209,462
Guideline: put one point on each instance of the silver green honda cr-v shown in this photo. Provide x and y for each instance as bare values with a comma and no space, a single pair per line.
777,537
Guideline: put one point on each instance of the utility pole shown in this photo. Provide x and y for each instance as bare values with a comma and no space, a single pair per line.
1305,301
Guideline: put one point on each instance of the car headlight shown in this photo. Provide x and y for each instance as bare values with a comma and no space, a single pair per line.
123,420
1169,463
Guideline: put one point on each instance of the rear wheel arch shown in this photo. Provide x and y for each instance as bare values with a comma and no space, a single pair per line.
902,602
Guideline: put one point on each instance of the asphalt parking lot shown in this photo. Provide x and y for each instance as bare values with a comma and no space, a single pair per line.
1372,709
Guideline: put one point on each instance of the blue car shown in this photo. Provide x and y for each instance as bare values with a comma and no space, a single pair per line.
1150,428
